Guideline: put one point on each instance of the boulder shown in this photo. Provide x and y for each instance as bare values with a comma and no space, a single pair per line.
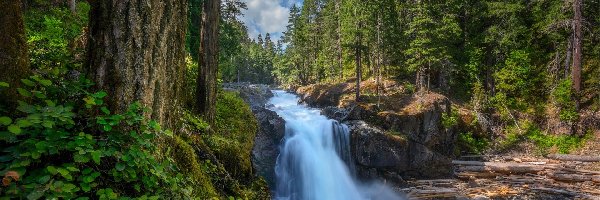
266,143
378,154
256,95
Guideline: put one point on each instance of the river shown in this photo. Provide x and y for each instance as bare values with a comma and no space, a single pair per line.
315,161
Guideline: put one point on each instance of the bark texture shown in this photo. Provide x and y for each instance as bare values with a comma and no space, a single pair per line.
206,88
577,46
14,61
136,52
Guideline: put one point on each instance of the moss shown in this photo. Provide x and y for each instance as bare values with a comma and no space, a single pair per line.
186,160
236,128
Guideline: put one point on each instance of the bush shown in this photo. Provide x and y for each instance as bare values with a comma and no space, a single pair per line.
563,95
472,143
57,150
543,141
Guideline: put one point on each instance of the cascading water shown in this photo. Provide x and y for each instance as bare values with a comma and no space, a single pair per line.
315,161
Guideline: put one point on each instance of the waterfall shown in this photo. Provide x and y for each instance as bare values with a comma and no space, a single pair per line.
315,160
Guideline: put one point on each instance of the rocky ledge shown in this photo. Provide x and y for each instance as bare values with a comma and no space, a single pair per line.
402,137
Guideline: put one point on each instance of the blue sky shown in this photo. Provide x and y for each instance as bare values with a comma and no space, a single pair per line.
267,16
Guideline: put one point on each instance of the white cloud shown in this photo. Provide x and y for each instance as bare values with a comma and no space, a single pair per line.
267,16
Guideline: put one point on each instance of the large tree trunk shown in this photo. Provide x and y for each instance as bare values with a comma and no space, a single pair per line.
136,52
14,61
206,87
577,46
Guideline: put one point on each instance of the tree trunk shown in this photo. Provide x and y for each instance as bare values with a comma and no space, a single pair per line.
136,52
339,38
73,6
206,88
577,54
358,58
14,61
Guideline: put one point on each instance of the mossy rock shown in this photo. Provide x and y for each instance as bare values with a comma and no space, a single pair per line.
186,160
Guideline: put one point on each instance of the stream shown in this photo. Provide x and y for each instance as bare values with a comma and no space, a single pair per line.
315,160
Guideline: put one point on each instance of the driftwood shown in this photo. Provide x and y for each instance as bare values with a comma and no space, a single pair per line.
569,157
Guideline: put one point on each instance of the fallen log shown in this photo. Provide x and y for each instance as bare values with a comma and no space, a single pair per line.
504,168
571,177
569,157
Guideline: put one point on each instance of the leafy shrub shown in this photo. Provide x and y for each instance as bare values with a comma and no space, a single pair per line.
450,120
51,37
472,143
563,95
543,141
60,151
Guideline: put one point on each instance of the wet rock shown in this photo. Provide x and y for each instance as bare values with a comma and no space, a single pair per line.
266,143
382,155
271,128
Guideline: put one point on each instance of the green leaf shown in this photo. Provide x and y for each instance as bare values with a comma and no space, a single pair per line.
14,129
4,84
81,158
36,194
96,156
85,187
52,170
24,92
48,124
107,128
44,179
120,166
50,103
105,110
28,82
100,94
24,123
5,120
45,82
62,171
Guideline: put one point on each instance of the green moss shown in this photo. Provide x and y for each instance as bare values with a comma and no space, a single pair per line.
236,128
186,160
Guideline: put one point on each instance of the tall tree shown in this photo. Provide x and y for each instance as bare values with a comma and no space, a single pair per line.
577,46
136,52
206,87
14,61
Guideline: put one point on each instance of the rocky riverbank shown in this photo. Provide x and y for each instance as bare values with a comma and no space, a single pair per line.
270,132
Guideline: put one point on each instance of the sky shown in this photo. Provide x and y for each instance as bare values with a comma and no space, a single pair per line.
267,16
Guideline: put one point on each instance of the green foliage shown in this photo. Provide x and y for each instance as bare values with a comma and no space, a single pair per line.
472,143
59,153
235,130
544,142
563,95
450,120
516,82
52,38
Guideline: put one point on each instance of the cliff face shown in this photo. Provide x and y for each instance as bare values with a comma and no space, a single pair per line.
393,137
271,129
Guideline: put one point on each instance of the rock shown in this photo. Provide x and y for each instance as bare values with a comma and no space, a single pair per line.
266,143
256,95
271,128
424,127
382,155
335,113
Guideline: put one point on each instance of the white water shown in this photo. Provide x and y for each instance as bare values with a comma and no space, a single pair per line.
315,161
